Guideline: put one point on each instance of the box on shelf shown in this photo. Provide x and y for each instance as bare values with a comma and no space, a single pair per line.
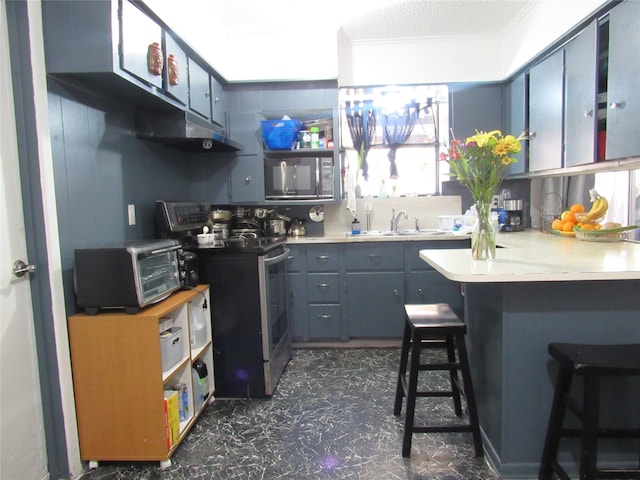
171,347
165,324
280,134
172,416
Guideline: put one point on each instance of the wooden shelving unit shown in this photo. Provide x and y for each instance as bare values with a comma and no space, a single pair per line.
119,382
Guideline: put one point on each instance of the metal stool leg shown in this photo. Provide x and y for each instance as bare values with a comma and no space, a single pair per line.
589,448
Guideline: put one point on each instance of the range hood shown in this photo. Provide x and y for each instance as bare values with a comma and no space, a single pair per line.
183,130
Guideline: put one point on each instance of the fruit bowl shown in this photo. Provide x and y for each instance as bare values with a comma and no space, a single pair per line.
584,218
606,235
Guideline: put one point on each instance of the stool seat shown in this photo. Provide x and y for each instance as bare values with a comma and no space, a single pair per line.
435,327
604,359
590,362
436,315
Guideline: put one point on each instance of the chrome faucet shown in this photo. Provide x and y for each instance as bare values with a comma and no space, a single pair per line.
396,218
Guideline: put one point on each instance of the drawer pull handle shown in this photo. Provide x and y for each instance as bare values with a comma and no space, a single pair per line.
374,255
420,291
588,113
322,257
616,105
325,317
396,292
322,285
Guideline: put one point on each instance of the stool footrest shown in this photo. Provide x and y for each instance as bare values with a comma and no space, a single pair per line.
442,428
439,366
604,473
604,433
434,394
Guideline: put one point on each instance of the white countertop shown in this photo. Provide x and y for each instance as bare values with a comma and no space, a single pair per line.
348,238
532,256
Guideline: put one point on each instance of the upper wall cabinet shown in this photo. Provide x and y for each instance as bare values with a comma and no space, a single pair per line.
622,99
545,113
580,97
119,48
516,119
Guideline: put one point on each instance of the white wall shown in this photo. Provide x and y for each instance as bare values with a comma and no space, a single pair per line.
461,58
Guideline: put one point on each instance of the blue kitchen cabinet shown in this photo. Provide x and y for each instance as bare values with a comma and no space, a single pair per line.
516,120
581,113
546,80
324,292
199,90
623,101
375,289
297,292
426,285
246,180
179,88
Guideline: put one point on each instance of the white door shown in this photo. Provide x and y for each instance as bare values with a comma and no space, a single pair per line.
22,441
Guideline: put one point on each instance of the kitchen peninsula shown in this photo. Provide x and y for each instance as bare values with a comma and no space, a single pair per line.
542,288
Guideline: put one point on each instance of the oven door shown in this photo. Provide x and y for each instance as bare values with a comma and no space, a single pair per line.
291,178
276,340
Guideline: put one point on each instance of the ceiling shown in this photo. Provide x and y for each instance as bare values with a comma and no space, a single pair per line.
266,39
372,19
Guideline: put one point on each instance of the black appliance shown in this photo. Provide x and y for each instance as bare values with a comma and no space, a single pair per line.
249,307
129,276
300,177
514,218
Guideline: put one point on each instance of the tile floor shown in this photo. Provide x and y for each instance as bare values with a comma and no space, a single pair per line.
330,418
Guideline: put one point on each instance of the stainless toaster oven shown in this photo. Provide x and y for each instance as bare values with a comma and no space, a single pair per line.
130,276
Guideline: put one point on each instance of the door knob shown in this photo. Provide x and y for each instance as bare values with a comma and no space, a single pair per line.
20,268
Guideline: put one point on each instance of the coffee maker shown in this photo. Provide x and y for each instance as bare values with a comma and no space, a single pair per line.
514,216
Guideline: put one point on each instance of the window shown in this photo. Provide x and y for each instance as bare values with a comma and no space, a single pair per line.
390,138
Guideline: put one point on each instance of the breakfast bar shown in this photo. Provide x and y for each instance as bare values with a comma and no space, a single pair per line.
539,289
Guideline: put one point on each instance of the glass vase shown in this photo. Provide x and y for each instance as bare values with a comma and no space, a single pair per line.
483,236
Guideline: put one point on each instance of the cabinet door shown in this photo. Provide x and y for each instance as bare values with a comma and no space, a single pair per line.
623,113
545,113
218,103
139,32
516,120
297,290
199,90
176,86
244,127
580,89
246,180
433,287
375,304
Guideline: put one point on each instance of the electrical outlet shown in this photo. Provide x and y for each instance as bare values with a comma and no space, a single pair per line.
495,201
131,213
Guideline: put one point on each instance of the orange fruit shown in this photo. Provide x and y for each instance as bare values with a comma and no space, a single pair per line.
568,216
568,226
557,224
587,226
577,208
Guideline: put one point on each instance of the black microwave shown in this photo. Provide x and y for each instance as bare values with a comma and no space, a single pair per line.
130,276
301,178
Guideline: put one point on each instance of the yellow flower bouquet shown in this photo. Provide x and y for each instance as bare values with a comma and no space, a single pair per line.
479,163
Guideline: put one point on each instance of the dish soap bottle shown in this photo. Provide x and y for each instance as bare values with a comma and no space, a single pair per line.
355,227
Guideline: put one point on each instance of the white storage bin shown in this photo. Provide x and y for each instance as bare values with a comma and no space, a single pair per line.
171,347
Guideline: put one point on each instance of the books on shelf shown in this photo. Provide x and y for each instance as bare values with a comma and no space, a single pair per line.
172,416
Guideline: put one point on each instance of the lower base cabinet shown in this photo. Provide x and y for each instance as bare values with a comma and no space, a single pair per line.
375,304
137,392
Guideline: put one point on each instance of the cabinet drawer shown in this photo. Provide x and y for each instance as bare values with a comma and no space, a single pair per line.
323,287
324,321
375,256
322,258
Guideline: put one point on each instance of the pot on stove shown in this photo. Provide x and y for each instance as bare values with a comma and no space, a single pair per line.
276,227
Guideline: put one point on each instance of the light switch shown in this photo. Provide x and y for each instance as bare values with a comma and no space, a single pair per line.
131,212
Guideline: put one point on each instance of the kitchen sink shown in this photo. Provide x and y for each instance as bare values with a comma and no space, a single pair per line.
399,233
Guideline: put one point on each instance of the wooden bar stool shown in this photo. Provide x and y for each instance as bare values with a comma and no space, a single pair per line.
590,362
435,326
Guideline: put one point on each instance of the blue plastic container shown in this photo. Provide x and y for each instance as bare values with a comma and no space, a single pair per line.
280,134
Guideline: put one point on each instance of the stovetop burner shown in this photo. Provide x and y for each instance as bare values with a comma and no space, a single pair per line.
245,244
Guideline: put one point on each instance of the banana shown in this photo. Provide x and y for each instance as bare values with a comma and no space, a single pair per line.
599,208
